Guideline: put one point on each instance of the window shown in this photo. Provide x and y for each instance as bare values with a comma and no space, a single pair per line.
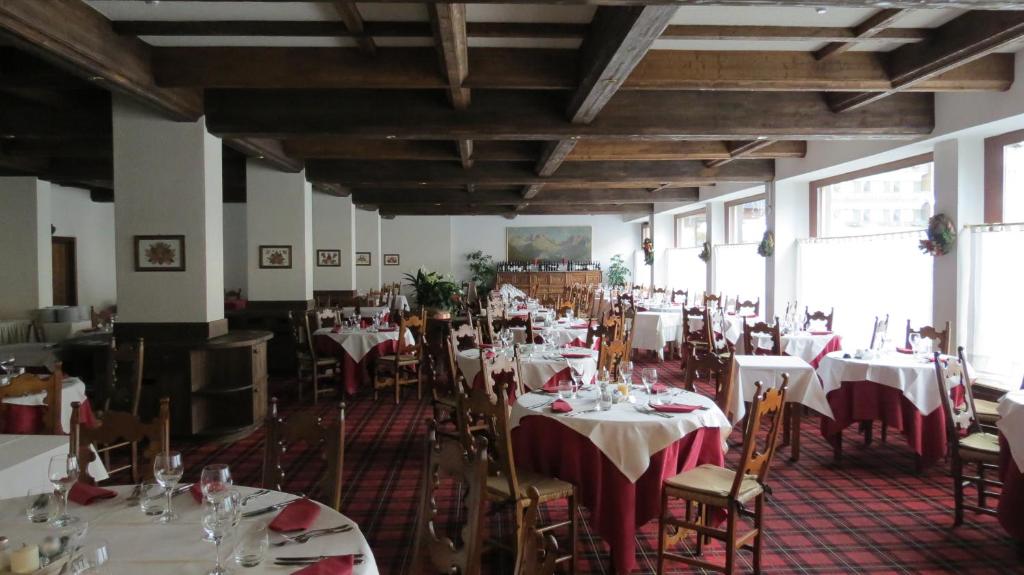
894,197
691,229
739,272
1004,178
745,221
684,270
645,232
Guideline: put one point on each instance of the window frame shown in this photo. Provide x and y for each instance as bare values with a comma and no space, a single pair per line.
733,203
814,188
994,173
689,214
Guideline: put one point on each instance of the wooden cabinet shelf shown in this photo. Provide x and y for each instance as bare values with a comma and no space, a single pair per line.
228,384
548,283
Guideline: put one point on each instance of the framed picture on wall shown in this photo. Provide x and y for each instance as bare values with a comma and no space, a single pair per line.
275,257
363,259
391,259
160,253
328,258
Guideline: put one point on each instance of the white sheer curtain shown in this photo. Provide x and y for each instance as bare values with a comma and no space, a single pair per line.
686,271
863,277
739,272
641,271
994,314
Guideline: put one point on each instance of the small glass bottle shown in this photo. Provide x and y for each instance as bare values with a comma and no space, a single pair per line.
605,400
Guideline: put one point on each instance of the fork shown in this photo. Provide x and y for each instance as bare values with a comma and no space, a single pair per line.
254,495
304,537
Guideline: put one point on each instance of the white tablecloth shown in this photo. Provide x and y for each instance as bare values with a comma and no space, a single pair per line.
652,330
25,462
1011,424
399,302
74,390
368,311
627,437
914,377
733,326
509,291
137,545
803,382
358,342
534,371
802,344
562,333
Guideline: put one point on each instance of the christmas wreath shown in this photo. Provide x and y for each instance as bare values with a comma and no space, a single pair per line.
941,236
767,246
705,252
648,246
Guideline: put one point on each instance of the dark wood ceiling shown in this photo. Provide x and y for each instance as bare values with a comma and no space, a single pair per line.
615,125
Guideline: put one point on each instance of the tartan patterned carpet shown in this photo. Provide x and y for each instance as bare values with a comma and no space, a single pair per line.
872,515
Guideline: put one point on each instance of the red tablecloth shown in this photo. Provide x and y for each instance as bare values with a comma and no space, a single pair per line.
235,304
868,401
353,373
1011,501
617,507
28,419
834,344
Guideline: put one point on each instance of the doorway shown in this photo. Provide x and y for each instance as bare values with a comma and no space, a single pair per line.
65,274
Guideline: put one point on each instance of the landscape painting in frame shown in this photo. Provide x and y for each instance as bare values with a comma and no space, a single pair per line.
551,243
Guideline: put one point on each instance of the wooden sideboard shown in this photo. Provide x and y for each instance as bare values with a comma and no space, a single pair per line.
548,283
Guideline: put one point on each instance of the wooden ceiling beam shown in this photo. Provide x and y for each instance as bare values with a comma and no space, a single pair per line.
385,174
449,24
955,44
352,149
739,150
510,210
867,29
525,115
353,21
548,69
921,4
268,150
84,148
506,197
79,39
598,150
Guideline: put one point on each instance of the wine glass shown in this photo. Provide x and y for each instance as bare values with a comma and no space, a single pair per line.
219,519
63,473
168,469
505,337
626,372
649,377
89,559
568,316
915,342
577,377
215,480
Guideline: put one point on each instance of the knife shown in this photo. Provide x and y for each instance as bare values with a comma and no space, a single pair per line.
314,559
270,508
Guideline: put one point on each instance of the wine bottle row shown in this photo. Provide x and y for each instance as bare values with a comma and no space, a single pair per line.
548,266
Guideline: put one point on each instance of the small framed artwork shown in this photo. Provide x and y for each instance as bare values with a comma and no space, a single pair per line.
328,258
159,253
275,257
363,259
391,259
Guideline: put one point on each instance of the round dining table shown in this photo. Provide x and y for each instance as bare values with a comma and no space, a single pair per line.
537,370
137,544
24,414
619,458
811,347
561,333
1011,463
356,348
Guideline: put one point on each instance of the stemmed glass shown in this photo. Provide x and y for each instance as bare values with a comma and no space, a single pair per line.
168,469
649,377
220,517
63,473
626,372
577,378
505,337
915,343
215,481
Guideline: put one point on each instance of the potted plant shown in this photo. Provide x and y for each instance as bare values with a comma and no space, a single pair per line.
618,273
433,292
483,271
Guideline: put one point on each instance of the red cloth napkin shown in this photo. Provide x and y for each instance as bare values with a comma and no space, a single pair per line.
197,490
579,326
561,406
296,516
904,350
659,387
638,308
387,329
821,333
575,355
336,329
675,408
337,565
576,343
85,494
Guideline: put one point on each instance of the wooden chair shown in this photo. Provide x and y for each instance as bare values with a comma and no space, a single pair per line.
878,332
712,300
710,366
537,552
818,316
507,484
750,341
711,486
612,353
307,361
447,460
31,384
699,339
324,439
940,339
974,447
748,308
465,337
125,359
120,427
526,323
680,296
985,411
404,366
327,317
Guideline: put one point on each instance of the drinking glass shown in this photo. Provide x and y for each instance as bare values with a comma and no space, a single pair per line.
649,377
577,378
915,342
40,508
63,473
564,388
505,337
219,520
215,480
568,316
89,559
252,545
152,500
626,372
168,469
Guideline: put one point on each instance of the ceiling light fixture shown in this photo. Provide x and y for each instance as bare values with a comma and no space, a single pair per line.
821,10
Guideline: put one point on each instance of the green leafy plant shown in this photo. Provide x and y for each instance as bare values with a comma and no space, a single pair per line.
941,236
433,290
766,248
705,252
618,273
484,272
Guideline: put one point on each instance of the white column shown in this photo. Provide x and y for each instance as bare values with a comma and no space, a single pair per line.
25,250
168,180
716,236
959,185
279,212
368,240
334,229
788,217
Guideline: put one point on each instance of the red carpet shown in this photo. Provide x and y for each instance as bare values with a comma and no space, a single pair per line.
873,515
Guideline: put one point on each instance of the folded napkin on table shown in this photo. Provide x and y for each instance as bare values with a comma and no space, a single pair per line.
387,329
639,308
821,333
296,516
659,388
579,326
675,408
336,329
337,565
84,494
561,406
575,355
904,350
197,492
